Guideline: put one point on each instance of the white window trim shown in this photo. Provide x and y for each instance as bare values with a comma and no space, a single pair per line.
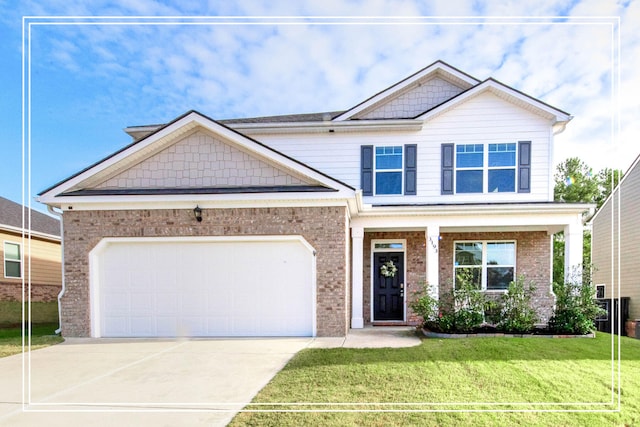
484,262
375,170
4,255
403,242
604,290
485,168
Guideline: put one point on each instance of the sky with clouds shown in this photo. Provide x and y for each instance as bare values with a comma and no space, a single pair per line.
91,78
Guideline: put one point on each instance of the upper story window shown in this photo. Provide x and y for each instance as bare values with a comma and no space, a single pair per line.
388,170
485,171
502,168
469,168
487,265
490,168
12,260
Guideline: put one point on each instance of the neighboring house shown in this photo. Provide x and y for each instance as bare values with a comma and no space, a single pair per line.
42,269
281,225
615,246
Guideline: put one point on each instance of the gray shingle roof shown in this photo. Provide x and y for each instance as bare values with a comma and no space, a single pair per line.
11,215
287,118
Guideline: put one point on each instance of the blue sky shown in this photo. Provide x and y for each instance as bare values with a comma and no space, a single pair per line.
88,82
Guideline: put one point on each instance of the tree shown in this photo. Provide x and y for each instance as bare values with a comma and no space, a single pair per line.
575,182
608,179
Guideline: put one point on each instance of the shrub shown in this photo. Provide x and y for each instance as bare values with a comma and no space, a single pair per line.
517,315
460,310
576,307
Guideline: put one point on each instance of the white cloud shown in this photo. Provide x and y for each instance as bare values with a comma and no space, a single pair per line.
147,73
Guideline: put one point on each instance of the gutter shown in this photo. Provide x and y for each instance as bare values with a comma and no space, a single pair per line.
59,215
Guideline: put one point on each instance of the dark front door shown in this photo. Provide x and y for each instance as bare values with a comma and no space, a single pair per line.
388,290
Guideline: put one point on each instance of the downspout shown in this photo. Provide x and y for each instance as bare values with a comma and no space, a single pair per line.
59,215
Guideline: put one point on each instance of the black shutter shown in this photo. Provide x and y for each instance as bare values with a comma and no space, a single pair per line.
410,169
366,170
524,166
447,169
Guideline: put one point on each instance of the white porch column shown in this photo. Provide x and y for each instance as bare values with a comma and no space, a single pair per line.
573,251
357,244
433,266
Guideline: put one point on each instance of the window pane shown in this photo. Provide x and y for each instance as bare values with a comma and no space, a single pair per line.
12,251
388,182
388,157
469,181
499,277
12,269
501,253
388,245
502,155
468,275
469,156
502,180
468,253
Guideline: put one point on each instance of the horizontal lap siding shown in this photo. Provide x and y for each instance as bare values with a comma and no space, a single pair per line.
483,119
626,240
46,269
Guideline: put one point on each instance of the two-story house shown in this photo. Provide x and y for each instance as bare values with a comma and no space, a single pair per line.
314,223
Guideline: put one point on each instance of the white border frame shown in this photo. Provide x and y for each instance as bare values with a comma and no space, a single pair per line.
404,252
94,267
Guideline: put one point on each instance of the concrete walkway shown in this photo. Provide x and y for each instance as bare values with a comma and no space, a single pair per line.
372,337
154,382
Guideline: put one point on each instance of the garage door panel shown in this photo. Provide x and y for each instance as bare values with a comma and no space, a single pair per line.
166,326
166,303
212,288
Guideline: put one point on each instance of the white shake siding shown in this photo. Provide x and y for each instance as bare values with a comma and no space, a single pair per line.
482,120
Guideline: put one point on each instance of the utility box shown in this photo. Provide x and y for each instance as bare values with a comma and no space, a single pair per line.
616,314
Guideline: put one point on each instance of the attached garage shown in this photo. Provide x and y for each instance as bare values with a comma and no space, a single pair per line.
203,287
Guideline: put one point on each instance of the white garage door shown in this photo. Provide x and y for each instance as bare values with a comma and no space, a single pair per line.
169,288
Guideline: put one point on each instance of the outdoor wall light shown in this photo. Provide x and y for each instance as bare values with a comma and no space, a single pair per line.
197,212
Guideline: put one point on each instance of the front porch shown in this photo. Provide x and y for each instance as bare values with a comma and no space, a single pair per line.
508,245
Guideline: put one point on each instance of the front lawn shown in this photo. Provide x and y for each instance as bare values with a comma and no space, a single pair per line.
506,381
42,335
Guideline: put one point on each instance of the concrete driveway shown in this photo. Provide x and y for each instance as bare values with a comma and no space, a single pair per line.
152,382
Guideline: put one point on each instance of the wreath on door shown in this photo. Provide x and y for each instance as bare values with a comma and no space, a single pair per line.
388,269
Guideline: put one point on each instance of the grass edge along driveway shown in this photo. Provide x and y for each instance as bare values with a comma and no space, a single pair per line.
42,335
475,381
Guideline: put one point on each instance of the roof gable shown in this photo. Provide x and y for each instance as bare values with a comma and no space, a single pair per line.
193,155
505,92
419,92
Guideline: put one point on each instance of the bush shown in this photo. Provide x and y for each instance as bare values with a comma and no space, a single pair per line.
517,316
460,310
576,307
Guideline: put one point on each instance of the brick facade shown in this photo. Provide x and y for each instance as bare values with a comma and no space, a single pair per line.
325,228
533,261
12,291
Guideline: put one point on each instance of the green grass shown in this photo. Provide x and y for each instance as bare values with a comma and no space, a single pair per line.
454,377
41,312
42,335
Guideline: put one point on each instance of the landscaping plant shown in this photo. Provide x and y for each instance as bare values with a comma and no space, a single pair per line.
460,310
517,315
576,307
